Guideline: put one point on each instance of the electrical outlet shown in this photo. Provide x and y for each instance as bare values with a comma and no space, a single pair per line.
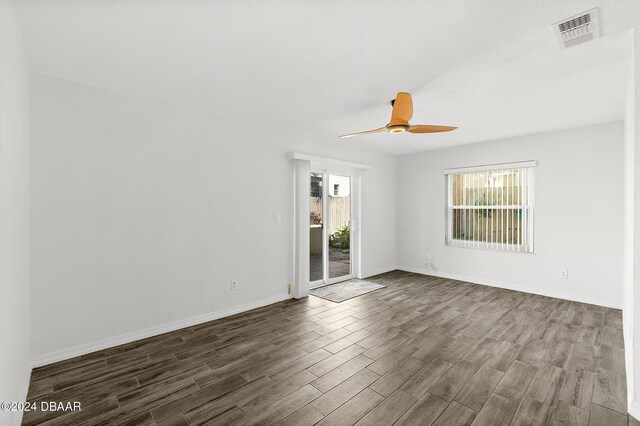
234,284
564,274
428,261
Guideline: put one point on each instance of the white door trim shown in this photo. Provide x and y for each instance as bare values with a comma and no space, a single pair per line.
303,166
327,161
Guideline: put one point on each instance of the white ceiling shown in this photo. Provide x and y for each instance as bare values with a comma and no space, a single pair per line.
491,67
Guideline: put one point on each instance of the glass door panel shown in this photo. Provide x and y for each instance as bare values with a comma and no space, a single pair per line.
338,226
329,229
316,234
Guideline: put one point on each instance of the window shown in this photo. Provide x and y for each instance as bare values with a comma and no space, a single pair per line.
491,207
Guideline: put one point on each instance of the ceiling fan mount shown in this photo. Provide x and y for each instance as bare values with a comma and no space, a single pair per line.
400,115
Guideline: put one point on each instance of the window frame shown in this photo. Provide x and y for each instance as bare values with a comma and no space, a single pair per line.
527,244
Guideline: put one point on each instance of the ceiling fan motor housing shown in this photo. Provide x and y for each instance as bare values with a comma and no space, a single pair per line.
397,128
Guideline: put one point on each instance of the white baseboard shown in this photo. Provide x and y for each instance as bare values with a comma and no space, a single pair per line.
511,286
97,345
634,409
629,370
378,272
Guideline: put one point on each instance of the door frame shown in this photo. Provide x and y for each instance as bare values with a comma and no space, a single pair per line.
303,164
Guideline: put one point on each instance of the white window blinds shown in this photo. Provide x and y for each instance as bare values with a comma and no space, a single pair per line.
491,207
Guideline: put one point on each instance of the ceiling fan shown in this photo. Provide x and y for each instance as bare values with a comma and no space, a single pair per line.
400,116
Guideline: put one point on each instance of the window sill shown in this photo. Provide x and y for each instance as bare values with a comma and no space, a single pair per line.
489,249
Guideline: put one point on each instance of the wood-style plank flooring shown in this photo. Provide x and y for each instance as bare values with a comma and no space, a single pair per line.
424,350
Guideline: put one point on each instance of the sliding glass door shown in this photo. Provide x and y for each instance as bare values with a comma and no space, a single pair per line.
330,240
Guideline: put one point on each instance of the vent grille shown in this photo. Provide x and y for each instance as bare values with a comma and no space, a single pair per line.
577,29
579,24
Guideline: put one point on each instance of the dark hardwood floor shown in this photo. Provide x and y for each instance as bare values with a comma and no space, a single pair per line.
424,350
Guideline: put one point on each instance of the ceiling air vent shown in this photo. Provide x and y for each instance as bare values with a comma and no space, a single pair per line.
577,29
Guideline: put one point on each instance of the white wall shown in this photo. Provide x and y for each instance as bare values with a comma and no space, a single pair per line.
631,313
629,231
578,214
14,215
142,214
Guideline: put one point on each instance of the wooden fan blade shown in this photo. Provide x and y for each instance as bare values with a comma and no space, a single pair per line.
428,128
402,109
382,129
